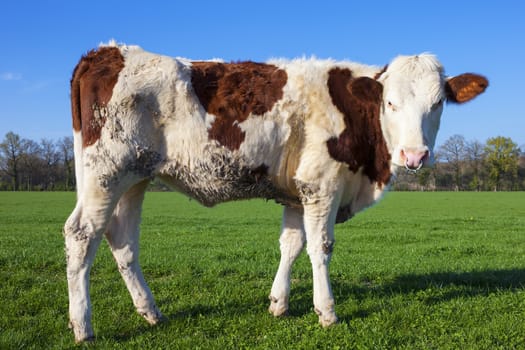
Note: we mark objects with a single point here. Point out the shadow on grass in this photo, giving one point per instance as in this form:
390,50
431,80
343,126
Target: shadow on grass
441,287
438,287
188,313
480,281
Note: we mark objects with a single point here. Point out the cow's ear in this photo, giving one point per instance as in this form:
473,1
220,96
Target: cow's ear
465,87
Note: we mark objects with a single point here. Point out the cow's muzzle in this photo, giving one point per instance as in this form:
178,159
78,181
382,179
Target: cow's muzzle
414,160
413,170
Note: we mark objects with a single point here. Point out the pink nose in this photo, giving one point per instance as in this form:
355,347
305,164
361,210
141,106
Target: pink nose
414,160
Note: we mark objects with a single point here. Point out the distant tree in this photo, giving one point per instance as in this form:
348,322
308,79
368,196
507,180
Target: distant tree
31,165
65,146
442,180
475,155
424,179
11,152
453,152
521,167
50,159
502,161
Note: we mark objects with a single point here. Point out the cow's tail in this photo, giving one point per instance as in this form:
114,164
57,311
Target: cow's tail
76,113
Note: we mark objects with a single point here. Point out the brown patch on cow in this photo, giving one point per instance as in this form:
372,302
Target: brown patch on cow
465,87
91,89
232,92
361,144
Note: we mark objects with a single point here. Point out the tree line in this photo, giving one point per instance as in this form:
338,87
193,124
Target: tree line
460,165
27,165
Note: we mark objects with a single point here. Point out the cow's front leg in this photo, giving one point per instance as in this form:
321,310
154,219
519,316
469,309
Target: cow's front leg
319,221
291,243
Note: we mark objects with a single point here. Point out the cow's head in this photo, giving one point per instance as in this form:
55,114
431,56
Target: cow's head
414,91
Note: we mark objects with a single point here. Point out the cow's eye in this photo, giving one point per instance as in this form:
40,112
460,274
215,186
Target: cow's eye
391,106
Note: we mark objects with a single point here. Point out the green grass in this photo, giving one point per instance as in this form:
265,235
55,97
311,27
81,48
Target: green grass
418,271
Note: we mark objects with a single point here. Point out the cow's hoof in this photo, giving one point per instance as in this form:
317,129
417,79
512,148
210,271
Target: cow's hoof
89,339
278,310
326,319
82,335
327,322
153,316
278,307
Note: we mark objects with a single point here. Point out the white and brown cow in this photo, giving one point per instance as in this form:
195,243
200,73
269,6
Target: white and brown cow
319,136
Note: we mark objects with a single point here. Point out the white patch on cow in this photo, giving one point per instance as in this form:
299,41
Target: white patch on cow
263,141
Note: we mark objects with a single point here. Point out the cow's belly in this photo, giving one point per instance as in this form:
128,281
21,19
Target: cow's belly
219,176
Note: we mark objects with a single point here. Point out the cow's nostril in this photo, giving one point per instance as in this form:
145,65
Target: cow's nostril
414,160
425,156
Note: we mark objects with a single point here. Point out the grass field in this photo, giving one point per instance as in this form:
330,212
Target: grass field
417,271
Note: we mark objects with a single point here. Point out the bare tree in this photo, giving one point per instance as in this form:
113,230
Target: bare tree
11,151
453,152
65,146
50,158
31,165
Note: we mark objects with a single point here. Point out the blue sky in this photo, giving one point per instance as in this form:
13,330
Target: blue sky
41,42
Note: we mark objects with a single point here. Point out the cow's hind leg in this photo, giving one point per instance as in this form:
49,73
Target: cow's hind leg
291,243
83,231
123,238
